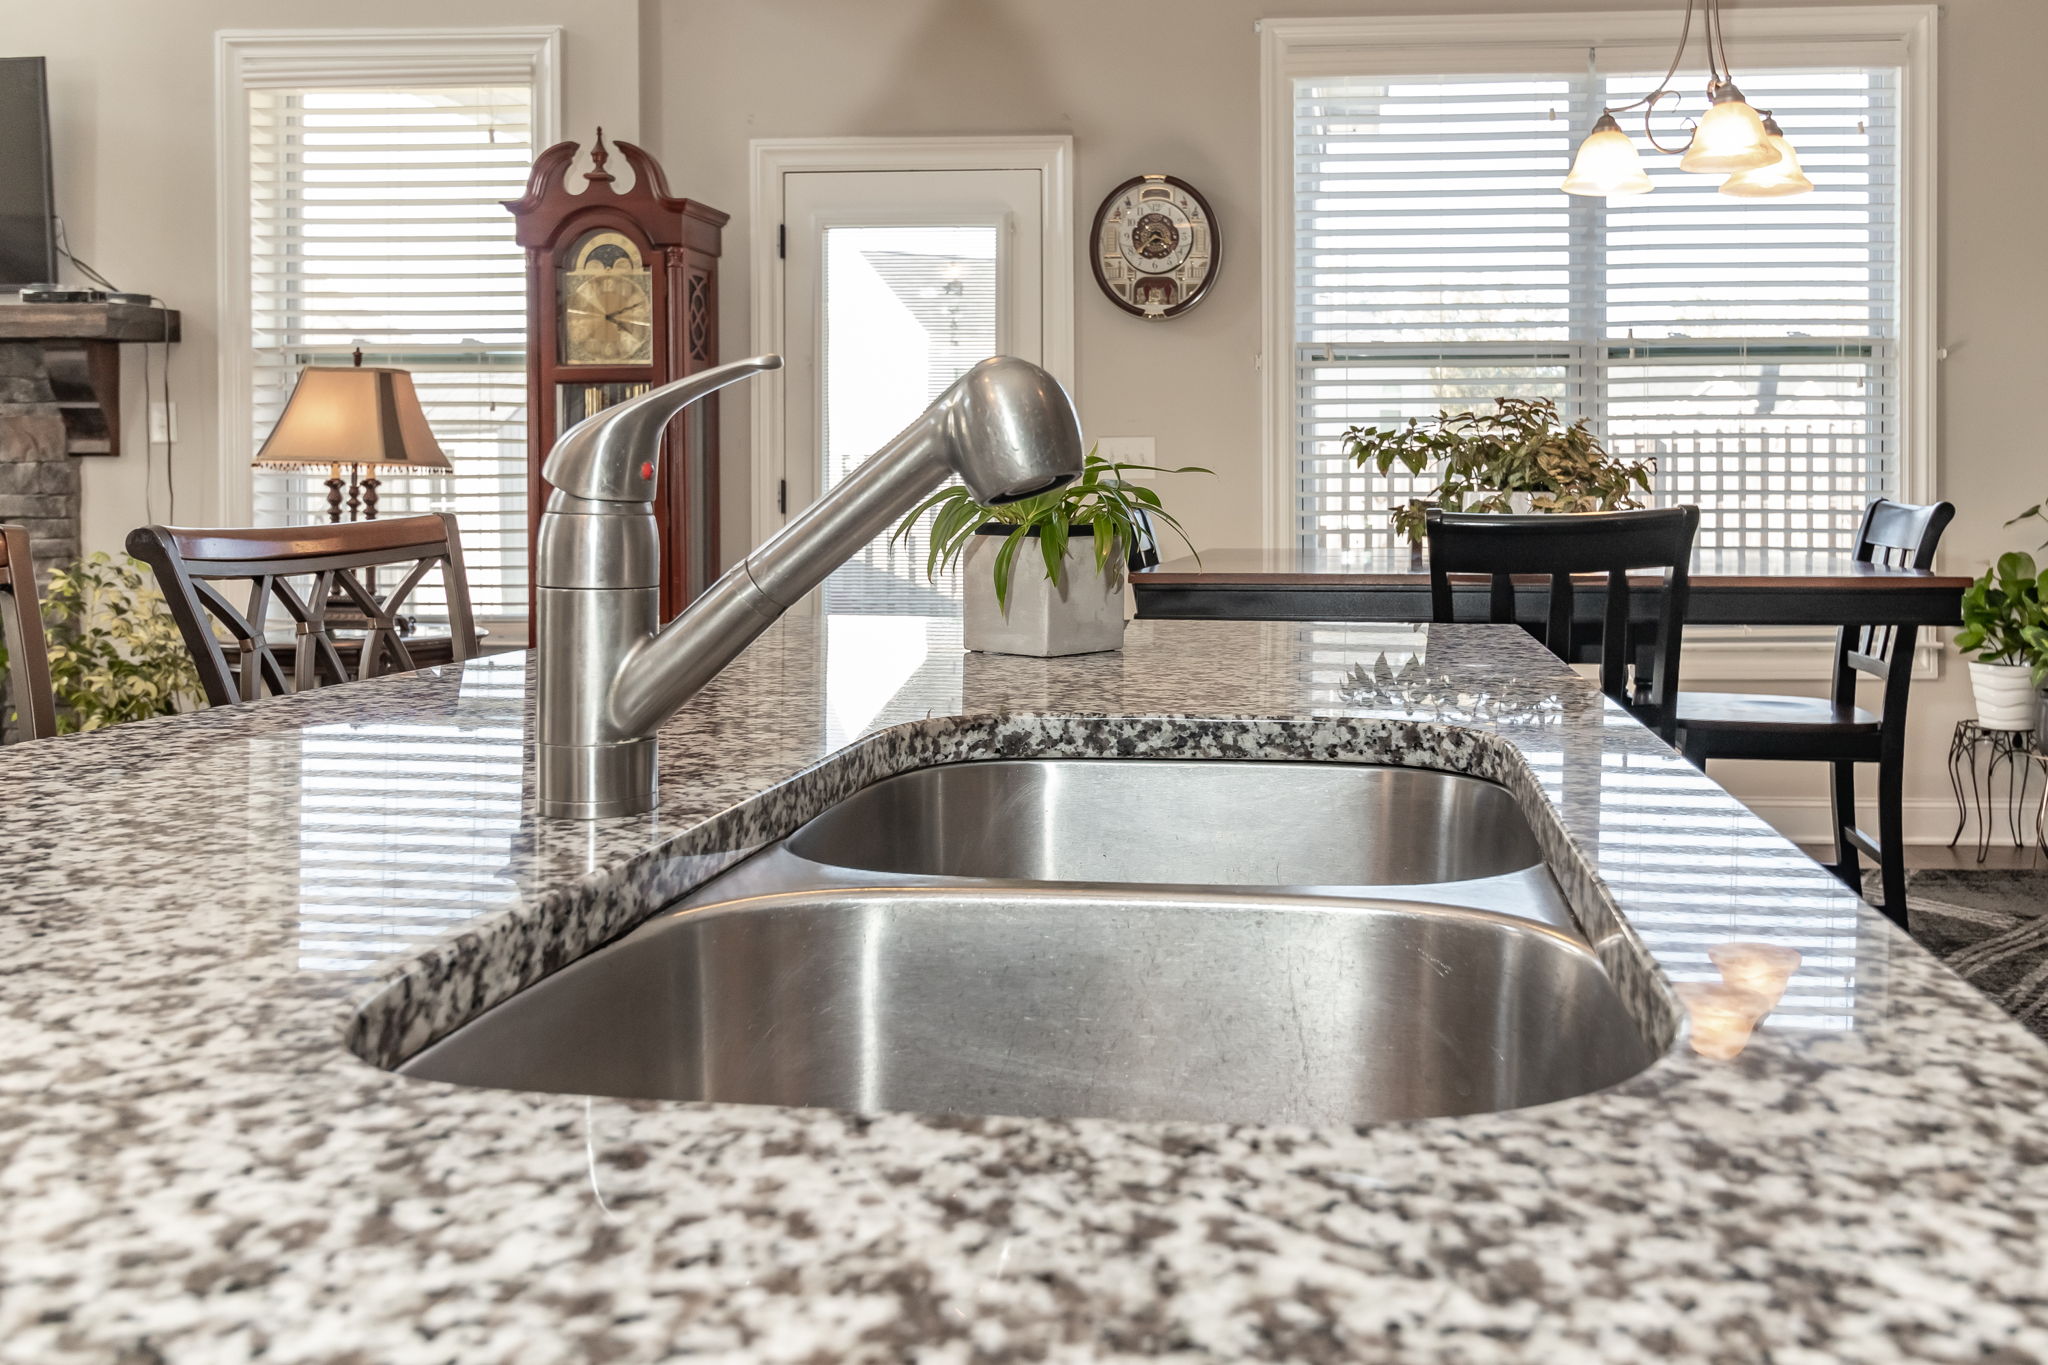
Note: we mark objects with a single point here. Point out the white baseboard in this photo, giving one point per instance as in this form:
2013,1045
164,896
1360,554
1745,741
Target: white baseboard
1929,820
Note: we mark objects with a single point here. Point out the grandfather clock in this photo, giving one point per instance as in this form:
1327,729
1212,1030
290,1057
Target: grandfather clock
622,297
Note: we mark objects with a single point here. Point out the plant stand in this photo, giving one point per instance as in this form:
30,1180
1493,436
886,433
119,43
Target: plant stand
1976,753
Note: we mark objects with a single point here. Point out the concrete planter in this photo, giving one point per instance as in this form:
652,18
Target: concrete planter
2006,699
1083,614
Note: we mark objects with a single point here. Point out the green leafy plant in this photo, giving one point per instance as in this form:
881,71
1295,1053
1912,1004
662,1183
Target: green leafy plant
115,651
1100,504
1523,446
2038,512
2004,621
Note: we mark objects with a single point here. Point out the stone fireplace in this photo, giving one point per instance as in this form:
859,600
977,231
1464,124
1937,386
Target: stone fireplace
38,474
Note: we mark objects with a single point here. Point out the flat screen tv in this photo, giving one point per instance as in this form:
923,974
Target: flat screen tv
28,223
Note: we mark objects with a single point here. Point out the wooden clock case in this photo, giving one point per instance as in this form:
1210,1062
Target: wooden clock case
679,240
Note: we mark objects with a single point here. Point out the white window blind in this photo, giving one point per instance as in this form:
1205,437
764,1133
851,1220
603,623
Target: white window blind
376,222
1750,345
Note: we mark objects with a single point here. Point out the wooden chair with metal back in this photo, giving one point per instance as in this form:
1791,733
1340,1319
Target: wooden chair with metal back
1835,730
21,630
189,563
1557,547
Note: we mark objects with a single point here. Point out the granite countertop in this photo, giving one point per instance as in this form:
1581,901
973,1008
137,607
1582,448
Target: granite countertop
208,924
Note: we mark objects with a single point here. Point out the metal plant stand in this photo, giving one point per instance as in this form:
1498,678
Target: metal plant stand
2016,753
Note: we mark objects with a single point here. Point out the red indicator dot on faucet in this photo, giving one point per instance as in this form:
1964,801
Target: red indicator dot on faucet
647,469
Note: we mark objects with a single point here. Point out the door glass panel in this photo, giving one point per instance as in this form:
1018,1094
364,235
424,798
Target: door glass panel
906,311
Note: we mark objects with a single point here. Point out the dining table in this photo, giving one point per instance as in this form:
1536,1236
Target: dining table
1731,586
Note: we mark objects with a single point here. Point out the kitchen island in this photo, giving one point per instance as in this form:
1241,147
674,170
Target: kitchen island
220,930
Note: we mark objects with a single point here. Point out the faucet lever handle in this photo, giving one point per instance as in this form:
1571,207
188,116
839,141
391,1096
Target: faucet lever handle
612,455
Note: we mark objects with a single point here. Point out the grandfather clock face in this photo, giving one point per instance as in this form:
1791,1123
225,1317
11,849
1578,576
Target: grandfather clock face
606,295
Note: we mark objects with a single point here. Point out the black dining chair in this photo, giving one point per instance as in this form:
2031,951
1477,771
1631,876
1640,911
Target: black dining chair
1557,547
1835,730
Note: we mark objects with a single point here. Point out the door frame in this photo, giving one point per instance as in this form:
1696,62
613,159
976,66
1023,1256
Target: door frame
773,158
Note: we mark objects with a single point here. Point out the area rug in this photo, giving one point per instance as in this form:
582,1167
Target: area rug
1992,927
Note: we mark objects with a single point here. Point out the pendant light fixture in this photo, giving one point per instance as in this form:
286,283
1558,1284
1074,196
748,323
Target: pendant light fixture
1731,138
1782,177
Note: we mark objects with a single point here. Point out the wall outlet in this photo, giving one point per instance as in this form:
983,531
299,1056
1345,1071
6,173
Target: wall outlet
163,423
1127,450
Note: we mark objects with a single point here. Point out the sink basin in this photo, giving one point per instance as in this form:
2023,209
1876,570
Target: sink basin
1065,1003
1125,938
1177,823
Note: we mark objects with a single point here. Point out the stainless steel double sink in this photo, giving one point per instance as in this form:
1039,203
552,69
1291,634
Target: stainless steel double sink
1138,939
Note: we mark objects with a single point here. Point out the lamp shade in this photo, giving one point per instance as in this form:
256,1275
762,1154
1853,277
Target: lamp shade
366,415
1607,163
1782,177
1729,138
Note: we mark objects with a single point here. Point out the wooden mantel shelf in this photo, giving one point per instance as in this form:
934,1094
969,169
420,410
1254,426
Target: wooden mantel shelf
81,345
87,322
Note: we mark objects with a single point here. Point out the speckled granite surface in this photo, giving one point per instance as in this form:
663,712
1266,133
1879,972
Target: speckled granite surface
200,917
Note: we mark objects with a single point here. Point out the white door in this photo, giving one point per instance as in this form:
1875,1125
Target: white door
894,283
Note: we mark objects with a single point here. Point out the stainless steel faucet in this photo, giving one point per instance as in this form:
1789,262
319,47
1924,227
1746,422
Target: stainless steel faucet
610,673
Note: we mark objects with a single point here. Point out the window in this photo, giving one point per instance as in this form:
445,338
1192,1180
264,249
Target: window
1756,348
372,204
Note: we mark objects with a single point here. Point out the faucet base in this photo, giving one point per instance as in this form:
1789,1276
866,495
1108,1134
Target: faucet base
596,781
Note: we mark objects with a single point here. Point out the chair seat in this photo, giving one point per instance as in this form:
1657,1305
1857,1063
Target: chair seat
1711,711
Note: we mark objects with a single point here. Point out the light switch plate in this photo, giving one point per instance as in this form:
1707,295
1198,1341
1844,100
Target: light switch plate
1127,450
163,423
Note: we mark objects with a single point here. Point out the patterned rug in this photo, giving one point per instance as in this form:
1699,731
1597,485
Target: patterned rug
1992,927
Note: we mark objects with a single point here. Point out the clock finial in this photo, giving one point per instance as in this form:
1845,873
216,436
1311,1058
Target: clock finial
597,174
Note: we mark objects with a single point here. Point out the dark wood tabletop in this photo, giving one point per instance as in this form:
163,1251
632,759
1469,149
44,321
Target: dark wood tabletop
1729,587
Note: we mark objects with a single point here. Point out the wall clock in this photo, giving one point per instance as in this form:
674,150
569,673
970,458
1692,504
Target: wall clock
1154,246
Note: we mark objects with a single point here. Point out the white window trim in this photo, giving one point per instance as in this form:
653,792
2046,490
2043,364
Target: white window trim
773,158
1293,48
253,59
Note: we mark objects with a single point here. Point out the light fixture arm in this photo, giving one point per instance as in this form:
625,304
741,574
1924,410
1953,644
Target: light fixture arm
1651,133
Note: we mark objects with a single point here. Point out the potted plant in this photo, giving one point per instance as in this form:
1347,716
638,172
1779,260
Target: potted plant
2005,627
115,651
1521,457
1082,534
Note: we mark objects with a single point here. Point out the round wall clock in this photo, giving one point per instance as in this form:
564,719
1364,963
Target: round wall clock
1154,246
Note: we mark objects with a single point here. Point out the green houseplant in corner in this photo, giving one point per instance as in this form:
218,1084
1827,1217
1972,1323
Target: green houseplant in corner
1520,457
1044,576
2006,628
115,651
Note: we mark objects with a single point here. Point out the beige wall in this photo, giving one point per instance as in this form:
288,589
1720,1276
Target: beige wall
132,114
133,103
730,70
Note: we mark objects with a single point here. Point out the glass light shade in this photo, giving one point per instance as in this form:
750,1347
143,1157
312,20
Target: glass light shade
1782,177
364,414
1730,138
1607,163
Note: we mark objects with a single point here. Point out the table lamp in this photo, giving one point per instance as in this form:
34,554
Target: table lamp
359,416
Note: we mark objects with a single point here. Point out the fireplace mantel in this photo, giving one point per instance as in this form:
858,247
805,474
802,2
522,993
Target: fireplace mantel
81,354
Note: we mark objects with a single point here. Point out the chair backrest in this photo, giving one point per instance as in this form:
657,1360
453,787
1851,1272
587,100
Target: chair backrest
189,563
1557,546
21,629
1894,535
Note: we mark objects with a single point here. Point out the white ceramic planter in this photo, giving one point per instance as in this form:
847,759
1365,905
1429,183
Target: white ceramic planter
2006,699
1083,615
